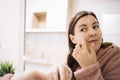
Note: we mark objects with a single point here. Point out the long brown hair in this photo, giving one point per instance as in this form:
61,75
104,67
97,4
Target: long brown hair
71,62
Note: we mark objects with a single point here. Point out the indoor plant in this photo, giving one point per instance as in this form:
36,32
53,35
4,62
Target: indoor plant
6,67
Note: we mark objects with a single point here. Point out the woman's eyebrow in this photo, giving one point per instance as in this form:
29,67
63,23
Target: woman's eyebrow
82,25
95,23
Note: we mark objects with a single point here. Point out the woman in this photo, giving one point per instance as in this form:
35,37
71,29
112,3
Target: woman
89,57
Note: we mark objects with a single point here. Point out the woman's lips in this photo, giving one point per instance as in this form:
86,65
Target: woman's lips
93,41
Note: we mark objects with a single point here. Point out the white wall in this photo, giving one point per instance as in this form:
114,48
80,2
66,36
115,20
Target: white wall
98,6
10,31
49,44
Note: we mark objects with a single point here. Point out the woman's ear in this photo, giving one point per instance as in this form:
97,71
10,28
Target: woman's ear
72,38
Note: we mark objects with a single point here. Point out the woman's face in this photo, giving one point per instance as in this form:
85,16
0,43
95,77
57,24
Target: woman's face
87,28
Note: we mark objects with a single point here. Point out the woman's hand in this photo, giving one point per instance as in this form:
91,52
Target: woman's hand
60,72
84,56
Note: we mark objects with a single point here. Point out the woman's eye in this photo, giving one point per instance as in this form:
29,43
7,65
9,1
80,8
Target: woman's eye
83,30
95,26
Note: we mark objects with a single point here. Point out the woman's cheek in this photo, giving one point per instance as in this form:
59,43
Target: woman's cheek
78,40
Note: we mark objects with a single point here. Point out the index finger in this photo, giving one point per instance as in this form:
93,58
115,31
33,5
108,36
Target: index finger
84,44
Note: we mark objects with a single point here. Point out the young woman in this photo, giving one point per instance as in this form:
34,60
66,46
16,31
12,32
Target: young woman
89,57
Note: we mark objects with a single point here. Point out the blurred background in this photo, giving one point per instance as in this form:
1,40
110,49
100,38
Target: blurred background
33,33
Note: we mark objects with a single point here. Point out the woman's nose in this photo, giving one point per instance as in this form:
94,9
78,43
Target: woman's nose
92,32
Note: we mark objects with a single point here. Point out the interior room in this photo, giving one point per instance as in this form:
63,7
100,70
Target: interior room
33,33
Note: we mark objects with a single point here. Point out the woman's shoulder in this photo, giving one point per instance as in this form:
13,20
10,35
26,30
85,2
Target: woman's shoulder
108,46
108,53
